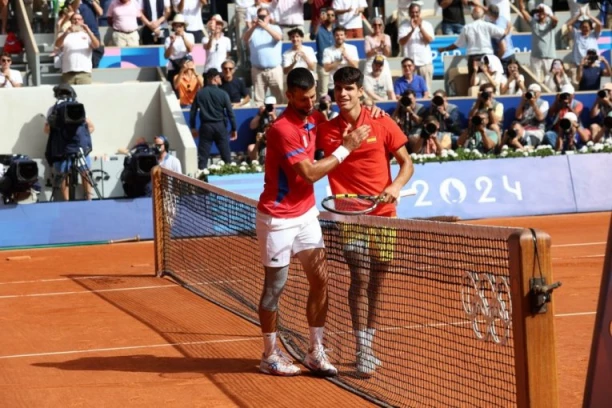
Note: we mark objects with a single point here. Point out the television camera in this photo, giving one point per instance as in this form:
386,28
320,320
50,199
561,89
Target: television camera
18,179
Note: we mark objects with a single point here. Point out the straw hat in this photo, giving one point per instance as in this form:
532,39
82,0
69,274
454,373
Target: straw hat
179,19
219,19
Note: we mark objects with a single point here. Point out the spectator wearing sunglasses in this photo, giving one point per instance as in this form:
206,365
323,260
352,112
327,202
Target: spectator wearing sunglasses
217,45
377,44
234,86
9,78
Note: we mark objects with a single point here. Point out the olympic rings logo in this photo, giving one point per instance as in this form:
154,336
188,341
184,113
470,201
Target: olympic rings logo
486,301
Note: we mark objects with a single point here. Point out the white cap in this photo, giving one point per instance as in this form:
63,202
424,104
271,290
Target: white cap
567,88
535,88
270,100
571,116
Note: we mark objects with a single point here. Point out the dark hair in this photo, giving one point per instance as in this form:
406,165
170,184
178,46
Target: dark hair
300,78
484,87
349,76
166,142
407,59
414,5
589,22
440,92
6,54
339,28
297,31
409,92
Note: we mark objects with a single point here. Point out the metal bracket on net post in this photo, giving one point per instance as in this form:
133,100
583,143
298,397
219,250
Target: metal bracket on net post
540,294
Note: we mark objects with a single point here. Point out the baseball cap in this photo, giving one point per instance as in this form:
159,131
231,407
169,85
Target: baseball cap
571,116
270,100
379,59
567,88
535,88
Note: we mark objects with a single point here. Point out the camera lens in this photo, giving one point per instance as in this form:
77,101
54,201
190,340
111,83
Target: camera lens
476,120
437,100
602,93
432,128
512,133
608,122
405,100
485,95
564,96
529,95
565,124
269,108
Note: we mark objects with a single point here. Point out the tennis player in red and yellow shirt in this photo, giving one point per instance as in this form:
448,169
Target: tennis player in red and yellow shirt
287,220
368,250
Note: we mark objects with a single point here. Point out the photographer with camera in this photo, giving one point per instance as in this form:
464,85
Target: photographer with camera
478,136
602,106
590,71
69,142
428,141
571,135
448,117
325,107
564,103
531,114
515,136
78,43
260,123
604,133
486,103
407,114
488,70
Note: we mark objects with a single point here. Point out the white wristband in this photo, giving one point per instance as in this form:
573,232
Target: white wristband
341,153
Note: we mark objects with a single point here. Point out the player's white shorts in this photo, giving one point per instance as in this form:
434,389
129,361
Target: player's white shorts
281,238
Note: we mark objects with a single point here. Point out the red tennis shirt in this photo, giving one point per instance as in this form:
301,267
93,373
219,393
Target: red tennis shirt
288,141
366,170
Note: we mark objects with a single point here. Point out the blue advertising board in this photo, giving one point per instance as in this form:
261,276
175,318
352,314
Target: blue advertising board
591,181
468,189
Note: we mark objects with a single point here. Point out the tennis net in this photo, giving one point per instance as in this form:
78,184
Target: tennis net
446,324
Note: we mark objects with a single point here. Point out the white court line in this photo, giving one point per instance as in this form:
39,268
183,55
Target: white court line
147,346
575,314
579,257
60,279
580,244
87,291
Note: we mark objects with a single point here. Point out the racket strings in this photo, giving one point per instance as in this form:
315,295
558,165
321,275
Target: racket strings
352,204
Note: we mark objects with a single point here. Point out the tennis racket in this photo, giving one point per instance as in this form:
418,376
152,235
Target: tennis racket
355,204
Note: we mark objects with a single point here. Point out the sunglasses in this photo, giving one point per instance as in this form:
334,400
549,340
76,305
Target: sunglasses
5,60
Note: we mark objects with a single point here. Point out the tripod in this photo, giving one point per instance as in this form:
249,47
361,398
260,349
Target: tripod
76,164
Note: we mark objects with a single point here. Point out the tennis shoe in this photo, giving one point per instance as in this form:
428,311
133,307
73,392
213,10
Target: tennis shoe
278,363
317,361
367,363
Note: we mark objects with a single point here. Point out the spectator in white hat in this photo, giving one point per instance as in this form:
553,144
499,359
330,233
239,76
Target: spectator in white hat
531,113
216,44
177,46
564,103
192,12
492,72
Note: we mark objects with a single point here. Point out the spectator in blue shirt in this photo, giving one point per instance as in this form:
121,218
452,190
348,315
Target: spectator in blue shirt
591,70
504,49
410,81
324,38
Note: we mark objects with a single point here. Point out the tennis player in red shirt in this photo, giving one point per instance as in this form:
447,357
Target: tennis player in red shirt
368,250
287,220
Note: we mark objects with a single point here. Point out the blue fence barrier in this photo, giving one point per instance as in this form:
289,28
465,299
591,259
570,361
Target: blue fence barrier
469,189
247,136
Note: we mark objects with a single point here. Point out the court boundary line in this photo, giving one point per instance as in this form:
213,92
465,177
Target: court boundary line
146,346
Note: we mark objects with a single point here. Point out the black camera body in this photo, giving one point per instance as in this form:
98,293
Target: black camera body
429,129
565,125
485,95
406,101
69,134
529,95
602,93
136,173
607,122
437,100
476,120
20,177
512,133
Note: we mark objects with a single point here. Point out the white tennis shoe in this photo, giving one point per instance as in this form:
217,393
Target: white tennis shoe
367,363
278,363
317,361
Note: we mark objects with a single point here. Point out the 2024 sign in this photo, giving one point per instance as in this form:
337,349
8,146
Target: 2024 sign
455,191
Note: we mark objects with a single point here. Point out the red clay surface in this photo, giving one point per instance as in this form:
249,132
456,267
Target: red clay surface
92,326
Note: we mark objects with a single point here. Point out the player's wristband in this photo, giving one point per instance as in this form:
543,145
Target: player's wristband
341,153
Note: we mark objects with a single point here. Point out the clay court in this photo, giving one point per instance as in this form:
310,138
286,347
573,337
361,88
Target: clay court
93,326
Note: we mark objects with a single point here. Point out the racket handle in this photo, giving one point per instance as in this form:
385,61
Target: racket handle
408,192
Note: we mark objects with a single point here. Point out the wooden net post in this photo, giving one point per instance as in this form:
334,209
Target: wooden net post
158,219
533,319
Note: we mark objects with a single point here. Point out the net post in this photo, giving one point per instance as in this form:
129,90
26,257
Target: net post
534,335
158,221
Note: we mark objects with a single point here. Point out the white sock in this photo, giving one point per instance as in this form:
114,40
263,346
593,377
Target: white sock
316,336
269,343
360,340
370,337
